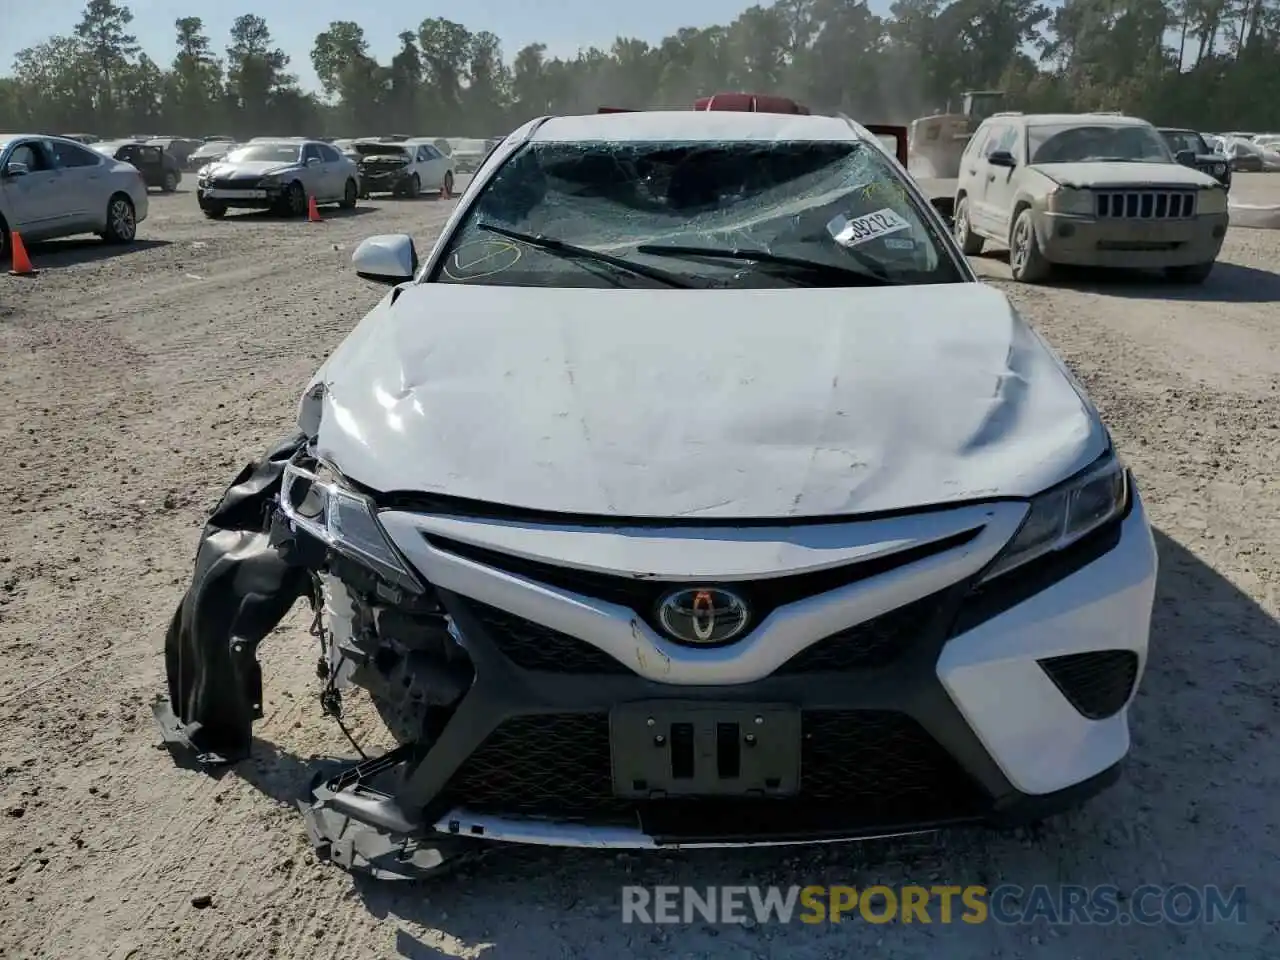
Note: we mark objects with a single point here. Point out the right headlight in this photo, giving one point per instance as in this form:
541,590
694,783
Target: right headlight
346,521
1063,514
1070,201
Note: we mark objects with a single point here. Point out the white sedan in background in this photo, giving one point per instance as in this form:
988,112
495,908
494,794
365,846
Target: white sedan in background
54,187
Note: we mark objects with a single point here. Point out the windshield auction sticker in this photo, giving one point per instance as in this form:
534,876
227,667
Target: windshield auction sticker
869,226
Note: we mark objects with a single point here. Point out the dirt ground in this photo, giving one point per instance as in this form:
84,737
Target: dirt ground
139,381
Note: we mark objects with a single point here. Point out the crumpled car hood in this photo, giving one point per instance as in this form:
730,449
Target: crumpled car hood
703,404
1102,174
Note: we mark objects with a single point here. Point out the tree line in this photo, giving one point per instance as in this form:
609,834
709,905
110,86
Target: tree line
1210,64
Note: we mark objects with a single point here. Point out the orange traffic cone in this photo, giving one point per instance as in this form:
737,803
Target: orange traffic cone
313,210
21,262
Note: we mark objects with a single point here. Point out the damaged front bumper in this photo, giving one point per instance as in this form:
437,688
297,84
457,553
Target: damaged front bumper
513,730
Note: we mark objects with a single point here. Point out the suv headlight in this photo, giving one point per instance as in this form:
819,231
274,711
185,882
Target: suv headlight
1067,200
345,521
1063,514
1212,200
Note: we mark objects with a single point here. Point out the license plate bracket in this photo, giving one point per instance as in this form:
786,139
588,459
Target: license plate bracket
672,748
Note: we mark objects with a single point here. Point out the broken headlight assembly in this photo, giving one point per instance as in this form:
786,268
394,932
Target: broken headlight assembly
320,503
1066,513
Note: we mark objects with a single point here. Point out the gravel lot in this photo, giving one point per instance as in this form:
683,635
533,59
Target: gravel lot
139,381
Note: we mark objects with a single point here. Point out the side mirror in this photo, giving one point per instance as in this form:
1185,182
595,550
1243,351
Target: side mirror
946,207
1186,157
16,168
390,258
1002,158
313,161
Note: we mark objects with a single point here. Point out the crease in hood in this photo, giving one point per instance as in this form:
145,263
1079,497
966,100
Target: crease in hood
703,404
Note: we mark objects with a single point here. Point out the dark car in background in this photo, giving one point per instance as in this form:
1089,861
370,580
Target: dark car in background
158,167
1190,149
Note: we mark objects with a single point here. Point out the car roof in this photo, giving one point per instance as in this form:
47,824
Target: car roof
1083,119
674,125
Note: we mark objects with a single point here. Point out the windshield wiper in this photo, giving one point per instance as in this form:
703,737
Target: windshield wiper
872,275
552,245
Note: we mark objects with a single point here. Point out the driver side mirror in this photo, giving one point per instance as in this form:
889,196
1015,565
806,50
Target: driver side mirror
16,168
389,258
1002,158
1186,157
314,161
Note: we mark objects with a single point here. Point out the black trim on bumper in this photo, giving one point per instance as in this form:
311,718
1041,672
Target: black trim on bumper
908,688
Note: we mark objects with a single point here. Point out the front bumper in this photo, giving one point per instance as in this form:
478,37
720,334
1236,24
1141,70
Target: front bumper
961,705
1131,243
246,198
383,181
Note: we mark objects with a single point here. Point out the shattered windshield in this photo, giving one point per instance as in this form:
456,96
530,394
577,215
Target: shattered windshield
812,213
266,153
1074,143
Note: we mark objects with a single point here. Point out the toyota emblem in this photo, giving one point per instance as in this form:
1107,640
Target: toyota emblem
703,616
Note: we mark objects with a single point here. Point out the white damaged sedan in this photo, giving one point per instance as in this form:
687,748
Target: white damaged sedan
693,491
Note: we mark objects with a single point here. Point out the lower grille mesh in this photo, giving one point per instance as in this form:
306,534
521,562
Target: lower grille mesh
864,768
536,647
1098,684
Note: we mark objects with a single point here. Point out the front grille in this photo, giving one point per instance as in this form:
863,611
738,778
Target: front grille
1145,204
642,595
859,769
536,647
874,643
1097,684
234,183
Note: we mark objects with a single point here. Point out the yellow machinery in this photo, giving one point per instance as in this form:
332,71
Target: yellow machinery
935,143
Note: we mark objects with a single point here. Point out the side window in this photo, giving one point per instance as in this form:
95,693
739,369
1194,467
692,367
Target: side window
1008,140
974,148
310,152
69,155
28,154
1013,142
995,138
329,154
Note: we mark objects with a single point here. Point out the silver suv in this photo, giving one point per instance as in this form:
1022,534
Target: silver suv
1087,190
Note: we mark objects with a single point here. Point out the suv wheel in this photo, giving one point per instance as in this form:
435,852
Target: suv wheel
1026,262
970,243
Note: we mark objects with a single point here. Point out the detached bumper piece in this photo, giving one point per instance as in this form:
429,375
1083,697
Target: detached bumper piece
241,589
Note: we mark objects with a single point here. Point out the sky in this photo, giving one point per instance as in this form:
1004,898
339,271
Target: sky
574,25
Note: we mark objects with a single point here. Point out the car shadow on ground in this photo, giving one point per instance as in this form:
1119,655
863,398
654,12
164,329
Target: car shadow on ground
1108,840
1229,283
326,213
66,253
